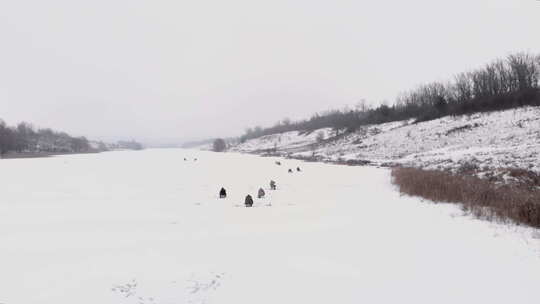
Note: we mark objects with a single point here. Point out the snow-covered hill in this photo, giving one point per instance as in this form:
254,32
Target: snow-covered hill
506,139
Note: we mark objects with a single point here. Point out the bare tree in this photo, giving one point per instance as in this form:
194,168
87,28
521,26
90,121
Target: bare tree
524,71
7,139
219,145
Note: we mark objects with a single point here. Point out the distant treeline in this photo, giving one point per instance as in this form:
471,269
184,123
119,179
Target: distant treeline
24,138
211,143
501,84
125,145
196,143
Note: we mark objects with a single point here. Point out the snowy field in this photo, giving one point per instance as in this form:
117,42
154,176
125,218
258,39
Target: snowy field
147,227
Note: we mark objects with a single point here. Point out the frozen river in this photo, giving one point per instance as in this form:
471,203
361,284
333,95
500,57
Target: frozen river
147,227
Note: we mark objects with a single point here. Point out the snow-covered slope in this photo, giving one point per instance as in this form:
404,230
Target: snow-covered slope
288,141
146,227
505,139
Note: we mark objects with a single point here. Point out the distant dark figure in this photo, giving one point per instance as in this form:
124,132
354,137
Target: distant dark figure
222,193
272,185
194,159
278,163
290,170
249,201
298,169
185,159
261,193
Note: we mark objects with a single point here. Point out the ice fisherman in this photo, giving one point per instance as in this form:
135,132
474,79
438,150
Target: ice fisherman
222,193
249,201
261,193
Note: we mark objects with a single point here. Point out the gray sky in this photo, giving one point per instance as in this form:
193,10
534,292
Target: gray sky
163,71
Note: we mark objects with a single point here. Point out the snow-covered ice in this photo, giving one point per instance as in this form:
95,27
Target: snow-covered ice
147,227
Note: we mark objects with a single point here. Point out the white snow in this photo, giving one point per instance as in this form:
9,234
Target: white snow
288,140
147,227
505,139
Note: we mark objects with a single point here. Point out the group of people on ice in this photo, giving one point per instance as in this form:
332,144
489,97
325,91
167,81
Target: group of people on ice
248,202
290,170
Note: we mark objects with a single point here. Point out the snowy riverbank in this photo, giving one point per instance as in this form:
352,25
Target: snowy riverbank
489,141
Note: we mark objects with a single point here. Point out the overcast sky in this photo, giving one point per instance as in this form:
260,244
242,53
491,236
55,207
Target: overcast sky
165,71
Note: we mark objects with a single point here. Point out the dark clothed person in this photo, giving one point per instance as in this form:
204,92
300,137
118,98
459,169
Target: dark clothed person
261,193
222,193
249,201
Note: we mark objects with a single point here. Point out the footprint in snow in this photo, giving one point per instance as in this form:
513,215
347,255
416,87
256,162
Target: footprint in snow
196,291
126,290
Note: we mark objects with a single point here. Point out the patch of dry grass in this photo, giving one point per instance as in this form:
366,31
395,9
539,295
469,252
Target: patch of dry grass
478,196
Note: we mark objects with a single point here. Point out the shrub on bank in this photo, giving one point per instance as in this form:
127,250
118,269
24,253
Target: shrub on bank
480,197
